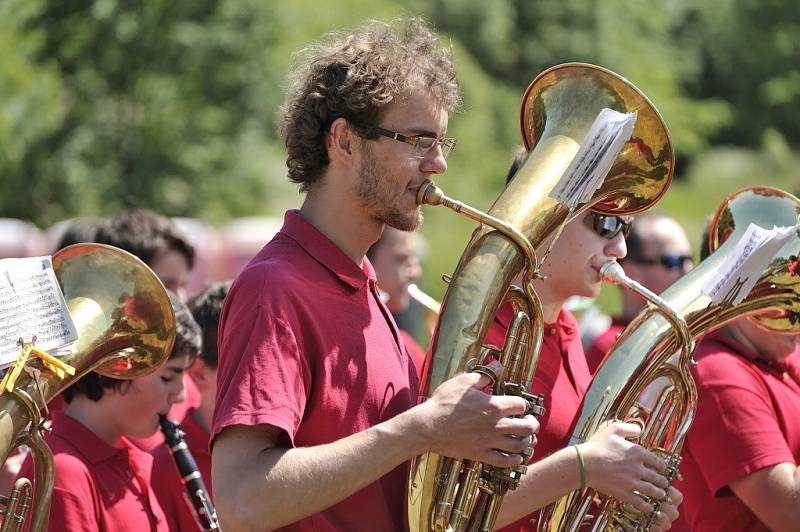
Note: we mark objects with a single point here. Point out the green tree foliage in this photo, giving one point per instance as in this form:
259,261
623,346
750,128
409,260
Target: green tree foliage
171,104
156,106
644,41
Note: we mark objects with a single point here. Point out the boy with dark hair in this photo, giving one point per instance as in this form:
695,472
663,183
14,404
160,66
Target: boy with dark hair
102,480
166,480
157,241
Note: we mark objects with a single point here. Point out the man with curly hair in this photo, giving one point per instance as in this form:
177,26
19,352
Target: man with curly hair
316,414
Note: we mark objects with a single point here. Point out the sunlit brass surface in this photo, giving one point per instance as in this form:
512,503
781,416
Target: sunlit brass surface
16,504
557,111
642,380
126,329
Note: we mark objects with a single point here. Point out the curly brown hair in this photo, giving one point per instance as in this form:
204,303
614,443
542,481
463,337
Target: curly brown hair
355,76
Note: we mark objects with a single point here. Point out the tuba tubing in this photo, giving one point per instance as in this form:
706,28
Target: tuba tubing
126,329
642,380
557,111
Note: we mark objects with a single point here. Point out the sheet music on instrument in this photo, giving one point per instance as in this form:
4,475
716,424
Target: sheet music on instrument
742,268
598,151
31,303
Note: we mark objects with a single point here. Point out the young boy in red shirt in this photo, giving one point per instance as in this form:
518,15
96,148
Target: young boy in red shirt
102,480
196,424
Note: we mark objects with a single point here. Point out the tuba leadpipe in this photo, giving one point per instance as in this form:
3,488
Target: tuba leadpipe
126,329
557,111
642,380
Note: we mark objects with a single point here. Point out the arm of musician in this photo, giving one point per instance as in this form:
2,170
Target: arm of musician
614,467
773,494
260,485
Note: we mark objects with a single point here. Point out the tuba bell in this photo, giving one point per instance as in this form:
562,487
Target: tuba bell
641,380
126,329
558,109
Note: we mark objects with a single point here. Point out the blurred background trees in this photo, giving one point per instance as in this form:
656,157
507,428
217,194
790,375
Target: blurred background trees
171,104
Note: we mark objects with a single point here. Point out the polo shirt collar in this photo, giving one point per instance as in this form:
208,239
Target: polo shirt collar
788,364
325,252
93,449
565,325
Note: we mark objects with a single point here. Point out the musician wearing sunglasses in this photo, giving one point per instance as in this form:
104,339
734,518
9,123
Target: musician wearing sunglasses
740,461
659,253
609,462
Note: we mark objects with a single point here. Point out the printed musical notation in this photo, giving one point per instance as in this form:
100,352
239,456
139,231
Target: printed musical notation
597,153
737,275
31,304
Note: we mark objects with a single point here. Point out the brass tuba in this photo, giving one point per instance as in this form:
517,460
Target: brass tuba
557,111
642,381
126,329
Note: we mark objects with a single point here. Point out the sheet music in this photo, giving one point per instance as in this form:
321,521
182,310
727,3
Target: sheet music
31,303
598,151
742,268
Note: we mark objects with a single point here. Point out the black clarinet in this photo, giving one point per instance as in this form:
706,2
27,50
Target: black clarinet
190,476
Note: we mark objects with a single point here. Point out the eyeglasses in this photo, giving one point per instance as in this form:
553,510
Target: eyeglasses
420,144
607,226
670,262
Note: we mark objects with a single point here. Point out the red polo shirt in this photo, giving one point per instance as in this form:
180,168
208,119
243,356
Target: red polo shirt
98,487
562,376
602,344
306,345
748,418
166,480
415,350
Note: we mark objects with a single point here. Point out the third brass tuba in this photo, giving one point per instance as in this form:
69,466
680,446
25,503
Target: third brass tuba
640,379
558,109
126,329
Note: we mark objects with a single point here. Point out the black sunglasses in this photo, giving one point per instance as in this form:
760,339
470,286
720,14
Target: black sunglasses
607,226
670,262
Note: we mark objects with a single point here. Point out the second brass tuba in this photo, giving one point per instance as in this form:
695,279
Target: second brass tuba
557,111
126,329
640,379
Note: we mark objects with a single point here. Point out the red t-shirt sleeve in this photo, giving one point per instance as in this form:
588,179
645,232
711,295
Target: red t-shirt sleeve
263,377
735,432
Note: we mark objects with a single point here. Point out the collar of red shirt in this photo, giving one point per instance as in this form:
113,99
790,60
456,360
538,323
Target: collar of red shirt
320,247
565,322
93,449
789,364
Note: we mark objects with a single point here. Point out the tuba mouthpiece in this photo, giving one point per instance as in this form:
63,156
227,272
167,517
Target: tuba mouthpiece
612,273
429,194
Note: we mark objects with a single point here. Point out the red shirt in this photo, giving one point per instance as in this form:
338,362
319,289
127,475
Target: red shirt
415,351
602,344
166,480
748,418
306,345
562,376
97,486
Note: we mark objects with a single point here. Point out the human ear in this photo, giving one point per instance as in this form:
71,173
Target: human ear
341,141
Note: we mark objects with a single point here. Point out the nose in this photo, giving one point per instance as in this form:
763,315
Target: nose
434,161
616,247
177,393
414,269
